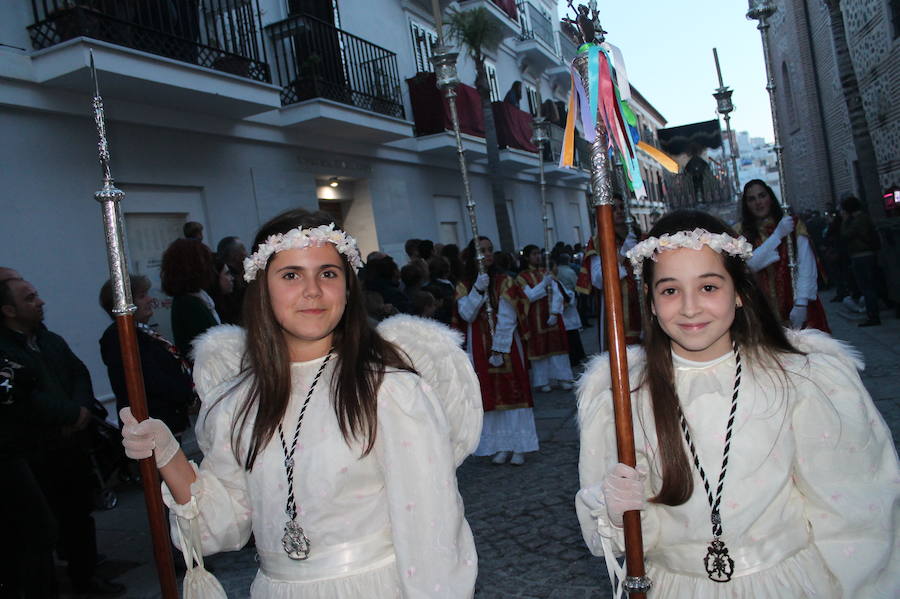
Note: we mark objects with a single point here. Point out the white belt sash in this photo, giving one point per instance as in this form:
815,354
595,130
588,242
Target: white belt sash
335,561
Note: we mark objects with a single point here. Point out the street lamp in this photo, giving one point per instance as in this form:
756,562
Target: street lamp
724,106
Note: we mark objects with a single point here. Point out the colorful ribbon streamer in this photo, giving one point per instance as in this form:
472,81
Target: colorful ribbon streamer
604,100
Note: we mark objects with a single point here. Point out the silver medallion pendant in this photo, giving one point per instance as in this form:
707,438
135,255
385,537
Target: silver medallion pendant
294,541
719,565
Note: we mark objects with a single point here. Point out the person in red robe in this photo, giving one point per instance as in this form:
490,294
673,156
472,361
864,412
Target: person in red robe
766,227
548,342
591,277
508,431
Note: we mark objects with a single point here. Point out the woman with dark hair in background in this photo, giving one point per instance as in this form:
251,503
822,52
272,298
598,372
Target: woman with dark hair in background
187,272
167,374
334,443
766,226
222,286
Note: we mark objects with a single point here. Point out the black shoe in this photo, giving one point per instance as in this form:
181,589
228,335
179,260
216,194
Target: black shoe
836,299
98,587
872,322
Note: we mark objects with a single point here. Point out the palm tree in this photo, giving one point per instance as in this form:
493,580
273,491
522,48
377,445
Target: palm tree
859,127
479,33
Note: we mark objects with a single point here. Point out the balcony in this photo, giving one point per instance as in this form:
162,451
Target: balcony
560,74
504,12
553,150
536,42
336,83
205,55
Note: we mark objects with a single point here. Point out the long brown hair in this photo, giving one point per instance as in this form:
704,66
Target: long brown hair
749,222
362,357
756,331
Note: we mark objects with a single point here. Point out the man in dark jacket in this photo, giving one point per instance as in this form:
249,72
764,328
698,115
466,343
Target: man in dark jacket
48,431
863,243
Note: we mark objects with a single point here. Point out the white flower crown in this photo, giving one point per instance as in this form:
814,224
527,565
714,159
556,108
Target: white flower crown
695,240
302,238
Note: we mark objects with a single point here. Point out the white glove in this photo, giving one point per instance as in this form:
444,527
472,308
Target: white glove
482,282
546,281
623,489
150,437
784,227
496,360
552,320
797,317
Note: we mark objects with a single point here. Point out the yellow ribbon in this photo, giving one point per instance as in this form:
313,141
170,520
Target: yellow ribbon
661,157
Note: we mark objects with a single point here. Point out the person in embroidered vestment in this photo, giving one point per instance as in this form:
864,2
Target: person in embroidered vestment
334,443
547,346
590,277
509,430
764,469
765,225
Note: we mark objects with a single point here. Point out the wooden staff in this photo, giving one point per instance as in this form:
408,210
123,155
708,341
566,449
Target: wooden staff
636,582
110,199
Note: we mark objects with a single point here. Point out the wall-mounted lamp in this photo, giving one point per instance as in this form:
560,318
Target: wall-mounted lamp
333,182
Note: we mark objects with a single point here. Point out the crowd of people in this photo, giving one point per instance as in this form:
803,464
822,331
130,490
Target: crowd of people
379,380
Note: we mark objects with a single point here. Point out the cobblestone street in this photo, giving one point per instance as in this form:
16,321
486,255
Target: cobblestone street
528,539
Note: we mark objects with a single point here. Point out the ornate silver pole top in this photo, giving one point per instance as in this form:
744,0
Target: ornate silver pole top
110,199
100,121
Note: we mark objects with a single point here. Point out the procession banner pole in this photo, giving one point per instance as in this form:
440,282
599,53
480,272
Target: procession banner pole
540,137
444,61
761,10
110,199
591,35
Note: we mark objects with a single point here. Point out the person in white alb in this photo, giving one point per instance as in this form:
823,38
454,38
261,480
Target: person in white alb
764,469
334,443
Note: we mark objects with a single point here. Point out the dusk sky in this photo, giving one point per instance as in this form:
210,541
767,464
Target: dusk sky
667,48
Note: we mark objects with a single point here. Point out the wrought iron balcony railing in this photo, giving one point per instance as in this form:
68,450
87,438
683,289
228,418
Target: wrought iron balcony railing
219,34
536,25
314,59
567,48
553,149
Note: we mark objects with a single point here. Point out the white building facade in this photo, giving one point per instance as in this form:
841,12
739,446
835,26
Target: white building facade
227,112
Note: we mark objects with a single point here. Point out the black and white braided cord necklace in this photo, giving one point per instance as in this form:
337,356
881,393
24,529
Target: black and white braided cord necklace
295,541
719,565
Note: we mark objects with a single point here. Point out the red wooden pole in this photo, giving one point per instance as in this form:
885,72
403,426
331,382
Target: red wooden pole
159,529
618,364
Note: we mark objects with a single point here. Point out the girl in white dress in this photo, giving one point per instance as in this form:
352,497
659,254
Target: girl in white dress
764,469
335,444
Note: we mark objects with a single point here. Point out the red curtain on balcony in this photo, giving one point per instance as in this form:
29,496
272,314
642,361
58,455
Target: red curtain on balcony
509,7
513,127
431,112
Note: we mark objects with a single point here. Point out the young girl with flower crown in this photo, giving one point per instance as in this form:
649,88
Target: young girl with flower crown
334,443
764,469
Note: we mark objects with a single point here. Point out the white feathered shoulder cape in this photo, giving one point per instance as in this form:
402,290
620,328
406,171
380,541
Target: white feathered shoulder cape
433,348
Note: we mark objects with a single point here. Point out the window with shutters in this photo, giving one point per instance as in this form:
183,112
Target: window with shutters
424,40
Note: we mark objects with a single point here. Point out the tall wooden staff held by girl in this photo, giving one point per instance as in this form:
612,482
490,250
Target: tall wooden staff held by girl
123,309
594,87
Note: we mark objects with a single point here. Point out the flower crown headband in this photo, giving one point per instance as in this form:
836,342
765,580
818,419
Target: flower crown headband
301,238
695,240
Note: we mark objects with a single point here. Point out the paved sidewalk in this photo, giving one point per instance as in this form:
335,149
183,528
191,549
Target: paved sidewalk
528,539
